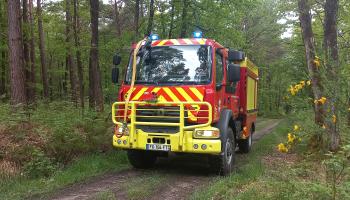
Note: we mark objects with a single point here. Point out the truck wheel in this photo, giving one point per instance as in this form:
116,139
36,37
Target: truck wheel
245,145
142,159
223,164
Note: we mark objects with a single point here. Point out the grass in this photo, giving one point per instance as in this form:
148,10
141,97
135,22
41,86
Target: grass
249,169
143,187
263,122
268,174
80,170
104,195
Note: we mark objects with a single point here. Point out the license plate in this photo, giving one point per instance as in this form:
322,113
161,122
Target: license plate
158,147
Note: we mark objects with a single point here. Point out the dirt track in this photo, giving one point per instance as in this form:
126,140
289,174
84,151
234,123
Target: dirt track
184,174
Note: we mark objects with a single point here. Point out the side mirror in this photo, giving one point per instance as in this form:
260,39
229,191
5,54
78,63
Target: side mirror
234,56
233,73
115,75
116,59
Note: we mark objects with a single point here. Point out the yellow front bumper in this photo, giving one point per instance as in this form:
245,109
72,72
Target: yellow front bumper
183,141
190,144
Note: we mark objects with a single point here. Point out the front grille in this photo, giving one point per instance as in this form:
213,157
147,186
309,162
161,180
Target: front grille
167,114
159,129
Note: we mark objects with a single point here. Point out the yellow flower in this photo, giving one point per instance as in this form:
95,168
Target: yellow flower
296,127
334,119
292,90
299,139
298,86
282,148
317,62
291,138
308,82
302,83
322,100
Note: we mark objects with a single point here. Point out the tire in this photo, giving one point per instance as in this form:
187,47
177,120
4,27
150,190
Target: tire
223,163
142,159
245,145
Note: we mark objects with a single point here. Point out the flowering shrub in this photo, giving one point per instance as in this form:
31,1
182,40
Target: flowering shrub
293,138
294,89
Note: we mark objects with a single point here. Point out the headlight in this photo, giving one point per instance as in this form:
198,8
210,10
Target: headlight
206,133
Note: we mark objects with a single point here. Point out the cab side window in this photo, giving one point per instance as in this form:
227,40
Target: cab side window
219,69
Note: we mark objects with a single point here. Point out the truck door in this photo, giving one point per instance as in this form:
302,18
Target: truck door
219,77
231,99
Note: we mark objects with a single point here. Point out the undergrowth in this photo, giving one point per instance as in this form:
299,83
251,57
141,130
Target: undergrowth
47,136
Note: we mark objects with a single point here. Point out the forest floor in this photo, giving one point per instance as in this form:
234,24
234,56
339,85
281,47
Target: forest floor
176,177
264,173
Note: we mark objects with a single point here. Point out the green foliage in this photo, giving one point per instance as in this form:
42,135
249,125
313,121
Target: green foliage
55,132
338,165
80,169
40,165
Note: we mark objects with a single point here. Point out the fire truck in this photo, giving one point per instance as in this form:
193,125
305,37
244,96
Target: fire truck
185,96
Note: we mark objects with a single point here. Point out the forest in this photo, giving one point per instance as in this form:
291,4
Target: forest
56,89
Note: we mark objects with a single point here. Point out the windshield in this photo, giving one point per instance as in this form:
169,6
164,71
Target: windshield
173,64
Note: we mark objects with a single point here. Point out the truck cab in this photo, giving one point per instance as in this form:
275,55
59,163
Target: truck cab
185,95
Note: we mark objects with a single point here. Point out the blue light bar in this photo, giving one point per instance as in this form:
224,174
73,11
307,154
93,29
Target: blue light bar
198,34
154,37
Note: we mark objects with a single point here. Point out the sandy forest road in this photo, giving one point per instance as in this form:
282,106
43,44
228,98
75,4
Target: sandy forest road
183,175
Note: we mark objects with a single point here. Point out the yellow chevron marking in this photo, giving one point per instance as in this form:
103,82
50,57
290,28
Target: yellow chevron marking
187,41
201,41
171,94
175,42
184,94
161,99
197,93
129,92
162,42
188,98
156,89
140,93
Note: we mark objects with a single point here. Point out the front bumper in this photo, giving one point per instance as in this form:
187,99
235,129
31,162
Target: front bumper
181,141
189,144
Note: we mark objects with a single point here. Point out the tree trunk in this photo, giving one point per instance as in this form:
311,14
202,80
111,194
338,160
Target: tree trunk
2,51
32,52
308,38
349,110
65,79
136,20
3,74
172,14
150,18
183,32
78,53
25,38
332,67
141,8
94,71
17,79
69,58
43,63
117,18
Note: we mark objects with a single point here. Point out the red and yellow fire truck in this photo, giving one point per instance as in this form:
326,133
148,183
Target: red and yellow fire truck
185,95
